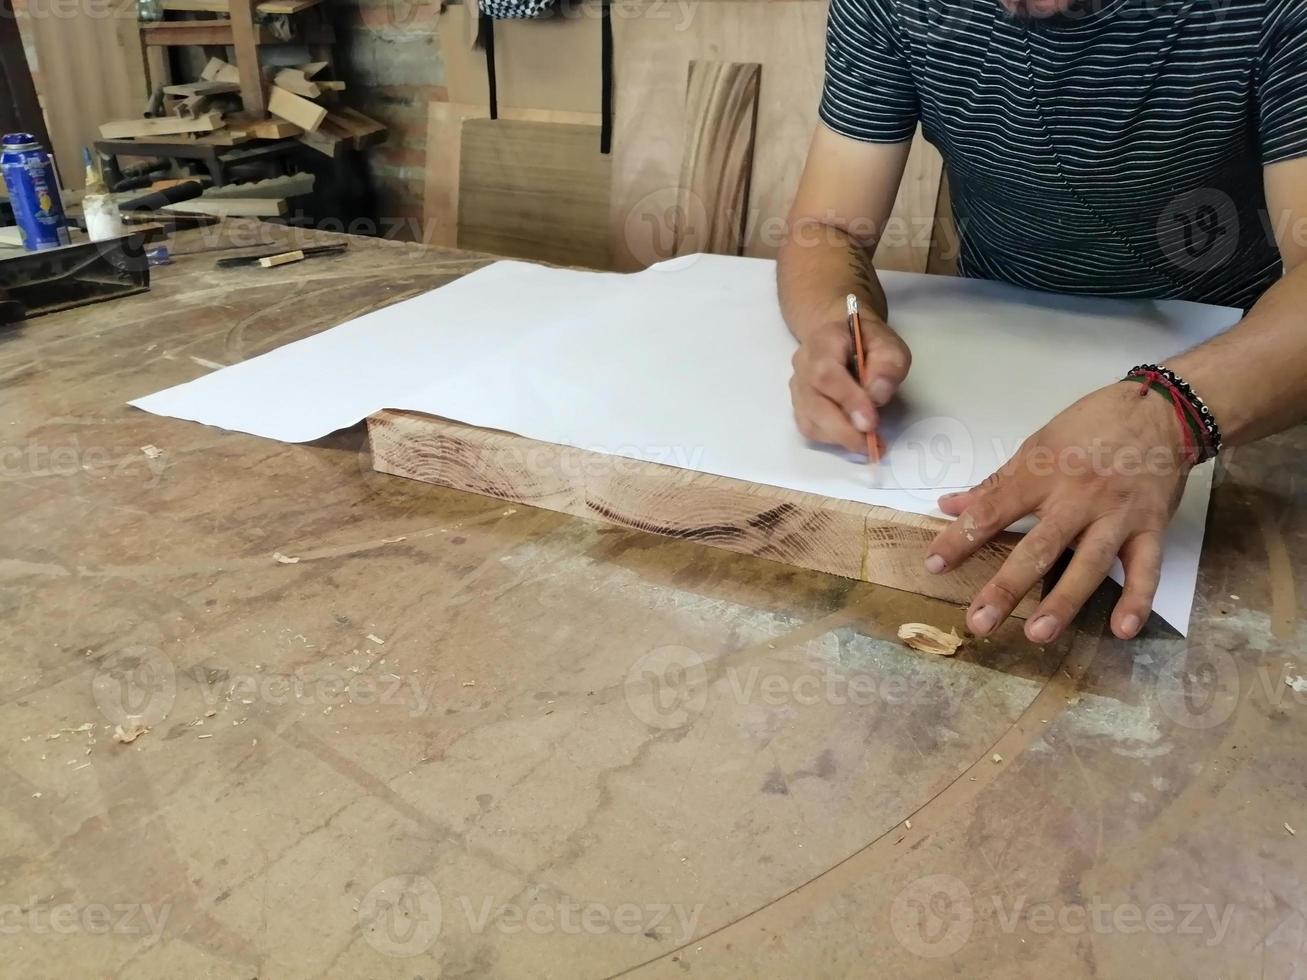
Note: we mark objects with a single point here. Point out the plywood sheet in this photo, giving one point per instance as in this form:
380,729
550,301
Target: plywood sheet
536,190
444,151
100,38
857,541
721,106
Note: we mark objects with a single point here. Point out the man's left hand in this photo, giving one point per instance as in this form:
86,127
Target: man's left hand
1105,476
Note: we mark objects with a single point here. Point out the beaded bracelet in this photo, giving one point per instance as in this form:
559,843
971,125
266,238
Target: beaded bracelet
1202,434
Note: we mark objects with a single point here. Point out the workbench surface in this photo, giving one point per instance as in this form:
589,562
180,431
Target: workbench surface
399,731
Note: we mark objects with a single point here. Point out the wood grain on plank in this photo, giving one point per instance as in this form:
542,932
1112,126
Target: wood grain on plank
857,541
534,190
290,107
721,108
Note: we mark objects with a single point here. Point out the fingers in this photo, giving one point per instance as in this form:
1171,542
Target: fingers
1142,557
888,360
821,420
1094,557
982,513
823,365
1030,560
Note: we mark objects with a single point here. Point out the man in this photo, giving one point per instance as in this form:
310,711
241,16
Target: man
1148,148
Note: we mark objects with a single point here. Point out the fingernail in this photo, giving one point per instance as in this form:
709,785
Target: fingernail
985,620
1130,625
1043,629
861,422
881,391
936,564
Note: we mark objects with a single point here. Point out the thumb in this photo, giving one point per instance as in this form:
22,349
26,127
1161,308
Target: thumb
888,360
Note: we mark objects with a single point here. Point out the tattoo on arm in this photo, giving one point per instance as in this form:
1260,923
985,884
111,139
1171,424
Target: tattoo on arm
860,265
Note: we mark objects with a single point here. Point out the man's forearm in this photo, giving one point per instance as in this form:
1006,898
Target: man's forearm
819,266
1254,376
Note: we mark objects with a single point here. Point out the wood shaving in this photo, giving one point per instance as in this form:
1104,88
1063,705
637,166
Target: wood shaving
1292,832
285,559
153,452
130,732
376,639
997,758
929,639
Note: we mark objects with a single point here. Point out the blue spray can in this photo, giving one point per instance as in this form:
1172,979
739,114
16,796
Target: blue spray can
33,192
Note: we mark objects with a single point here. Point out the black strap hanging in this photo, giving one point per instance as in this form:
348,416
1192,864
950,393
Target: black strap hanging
606,95
486,39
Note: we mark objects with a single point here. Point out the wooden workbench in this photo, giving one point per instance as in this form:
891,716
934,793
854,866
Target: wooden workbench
380,711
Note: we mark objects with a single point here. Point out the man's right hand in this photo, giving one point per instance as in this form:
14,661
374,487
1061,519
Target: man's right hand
829,404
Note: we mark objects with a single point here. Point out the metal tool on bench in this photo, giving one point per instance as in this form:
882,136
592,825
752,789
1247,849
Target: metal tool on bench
35,283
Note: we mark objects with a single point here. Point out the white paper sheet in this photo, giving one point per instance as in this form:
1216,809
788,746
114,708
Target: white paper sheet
688,364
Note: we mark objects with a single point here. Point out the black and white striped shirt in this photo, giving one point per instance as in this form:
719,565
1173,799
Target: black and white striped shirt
1115,151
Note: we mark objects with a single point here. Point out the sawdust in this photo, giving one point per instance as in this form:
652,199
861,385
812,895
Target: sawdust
131,731
930,639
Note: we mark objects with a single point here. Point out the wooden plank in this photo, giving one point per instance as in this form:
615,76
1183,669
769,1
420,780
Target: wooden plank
263,129
364,130
534,190
286,7
301,112
331,86
721,110
197,6
92,68
232,207
313,68
177,33
245,42
296,82
444,153
857,541
161,126
190,89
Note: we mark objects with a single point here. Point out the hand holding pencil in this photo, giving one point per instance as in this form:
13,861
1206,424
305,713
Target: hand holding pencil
848,366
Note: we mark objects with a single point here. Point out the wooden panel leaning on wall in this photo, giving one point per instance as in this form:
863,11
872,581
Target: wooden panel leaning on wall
535,190
554,65
92,70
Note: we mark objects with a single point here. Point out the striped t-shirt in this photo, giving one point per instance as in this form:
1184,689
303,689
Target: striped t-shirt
1114,151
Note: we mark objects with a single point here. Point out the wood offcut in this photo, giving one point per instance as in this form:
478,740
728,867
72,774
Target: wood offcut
717,160
857,541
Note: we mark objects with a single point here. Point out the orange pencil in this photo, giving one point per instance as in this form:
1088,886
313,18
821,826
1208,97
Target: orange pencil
860,361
